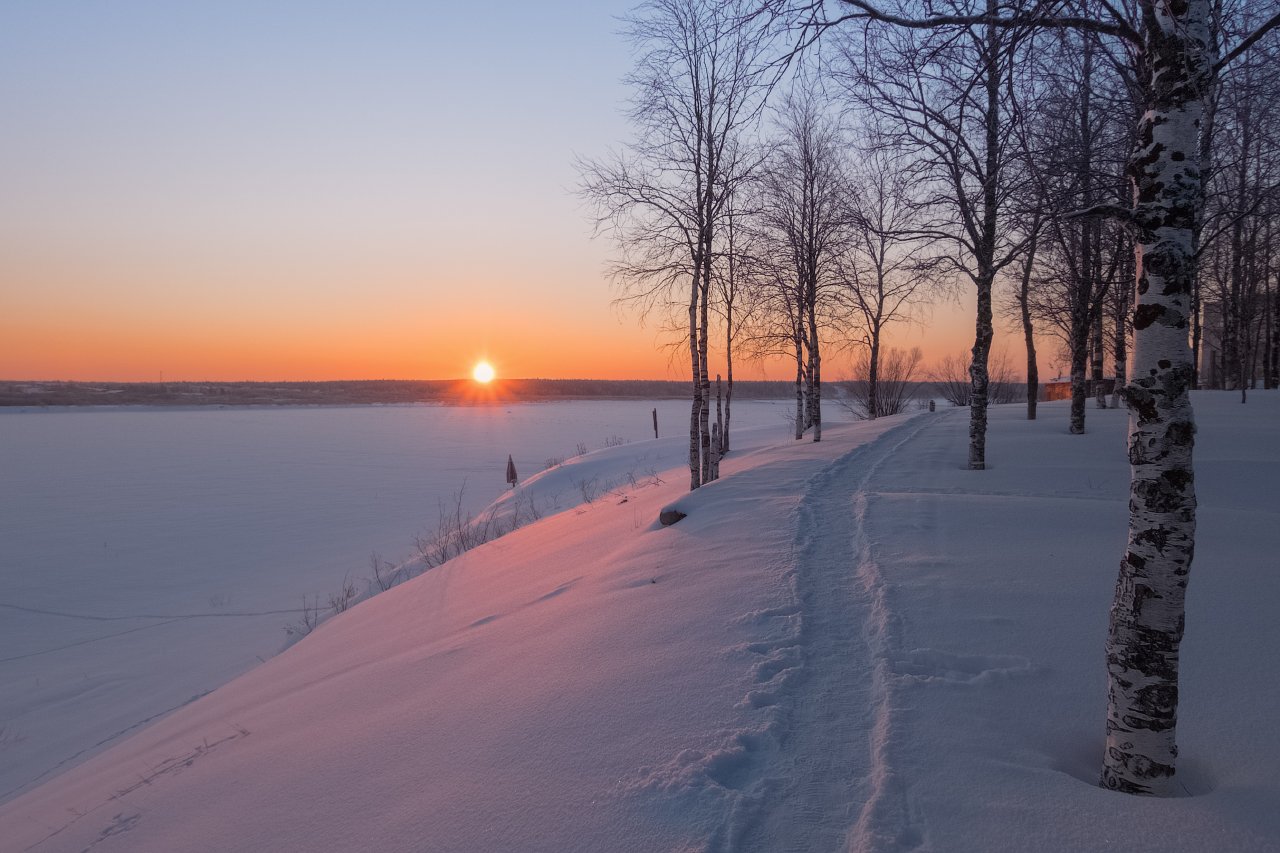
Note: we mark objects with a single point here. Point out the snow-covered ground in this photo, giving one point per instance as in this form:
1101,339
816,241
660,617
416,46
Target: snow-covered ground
148,556
852,645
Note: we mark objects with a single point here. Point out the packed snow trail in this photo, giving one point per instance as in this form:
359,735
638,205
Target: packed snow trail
830,784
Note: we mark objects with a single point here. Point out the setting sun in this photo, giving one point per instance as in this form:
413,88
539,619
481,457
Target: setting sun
483,372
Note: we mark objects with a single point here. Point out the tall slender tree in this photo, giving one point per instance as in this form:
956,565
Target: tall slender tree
943,98
804,210
697,85
888,279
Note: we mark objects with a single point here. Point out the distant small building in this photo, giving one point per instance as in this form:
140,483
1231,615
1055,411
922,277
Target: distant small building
1060,388
1210,355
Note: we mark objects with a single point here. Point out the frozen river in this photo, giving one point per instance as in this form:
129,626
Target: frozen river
146,554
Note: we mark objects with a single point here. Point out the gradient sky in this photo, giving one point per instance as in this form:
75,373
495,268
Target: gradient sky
315,190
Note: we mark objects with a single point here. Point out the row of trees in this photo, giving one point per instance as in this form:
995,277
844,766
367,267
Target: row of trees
769,225
1161,70
1080,98
1235,333
1114,162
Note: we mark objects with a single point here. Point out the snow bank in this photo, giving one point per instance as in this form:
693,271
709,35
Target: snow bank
850,645
148,556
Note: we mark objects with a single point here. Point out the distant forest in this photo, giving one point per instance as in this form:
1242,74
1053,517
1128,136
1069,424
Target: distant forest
363,392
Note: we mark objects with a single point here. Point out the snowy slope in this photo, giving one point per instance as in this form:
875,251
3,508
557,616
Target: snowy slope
852,645
148,556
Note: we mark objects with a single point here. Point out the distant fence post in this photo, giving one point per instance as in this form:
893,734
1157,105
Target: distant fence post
931,405
655,423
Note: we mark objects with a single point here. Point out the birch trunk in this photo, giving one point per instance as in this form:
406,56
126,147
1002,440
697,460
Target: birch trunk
695,462
1028,330
715,451
873,376
1091,260
1099,358
800,396
717,435
1148,614
1268,313
985,250
728,390
1197,332
1079,360
704,374
815,375
979,378
1204,157
1120,344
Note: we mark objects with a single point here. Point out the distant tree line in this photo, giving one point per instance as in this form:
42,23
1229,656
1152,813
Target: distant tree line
357,392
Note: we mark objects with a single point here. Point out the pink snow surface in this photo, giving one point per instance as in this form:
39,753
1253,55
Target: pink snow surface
854,645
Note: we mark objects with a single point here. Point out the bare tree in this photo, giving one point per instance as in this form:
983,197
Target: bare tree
1121,309
887,278
1235,245
775,326
1074,147
943,97
1020,307
696,86
731,270
804,215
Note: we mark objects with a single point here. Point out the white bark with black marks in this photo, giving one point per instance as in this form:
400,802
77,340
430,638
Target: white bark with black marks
1147,616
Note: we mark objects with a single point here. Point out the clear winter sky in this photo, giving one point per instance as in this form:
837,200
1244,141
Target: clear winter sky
316,190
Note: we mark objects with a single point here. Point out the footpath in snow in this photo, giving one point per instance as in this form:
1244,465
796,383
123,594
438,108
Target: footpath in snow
855,645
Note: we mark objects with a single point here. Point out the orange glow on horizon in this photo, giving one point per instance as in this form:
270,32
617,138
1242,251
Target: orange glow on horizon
108,340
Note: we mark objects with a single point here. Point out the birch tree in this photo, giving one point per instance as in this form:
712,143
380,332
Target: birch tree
887,279
1180,61
774,325
1235,247
943,98
731,267
1028,329
804,212
1073,153
696,87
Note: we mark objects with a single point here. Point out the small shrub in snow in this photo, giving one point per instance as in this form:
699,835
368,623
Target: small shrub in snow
895,384
308,619
590,489
385,575
458,531
951,380
344,598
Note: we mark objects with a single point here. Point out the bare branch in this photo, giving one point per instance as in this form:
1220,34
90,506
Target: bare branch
1119,28
1106,210
1247,42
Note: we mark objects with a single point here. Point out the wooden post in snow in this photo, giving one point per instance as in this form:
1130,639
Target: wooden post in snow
655,423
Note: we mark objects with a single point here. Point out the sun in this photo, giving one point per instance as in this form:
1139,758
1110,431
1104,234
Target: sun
483,372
